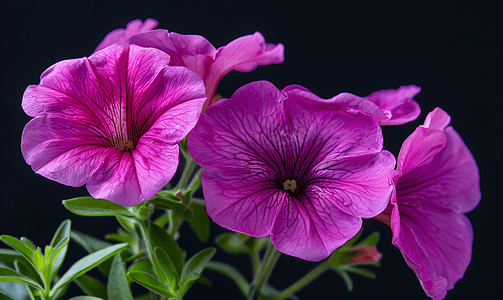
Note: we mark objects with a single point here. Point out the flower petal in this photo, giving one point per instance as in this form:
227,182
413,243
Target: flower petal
399,103
437,246
121,35
311,227
241,201
243,54
191,51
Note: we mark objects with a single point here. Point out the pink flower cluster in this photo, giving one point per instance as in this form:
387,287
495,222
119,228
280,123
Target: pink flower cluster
283,163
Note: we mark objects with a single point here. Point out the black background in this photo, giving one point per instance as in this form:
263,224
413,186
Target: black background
453,50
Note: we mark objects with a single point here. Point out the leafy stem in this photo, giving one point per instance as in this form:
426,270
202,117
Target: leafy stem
270,258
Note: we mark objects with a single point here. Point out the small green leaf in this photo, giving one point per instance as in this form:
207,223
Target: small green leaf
57,255
168,274
85,298
204,280
173,202
62,232
233,242
91,245
362,272
88,206
143,297
133,257
39,261
158,237
197,263
162,220
87,263
27,271
370,241
8,256
88,242
12,276
26,251
143,265
28,243
118,287
126,223
347,279
232,273
91,286
4,297
118,238
200,223
150,283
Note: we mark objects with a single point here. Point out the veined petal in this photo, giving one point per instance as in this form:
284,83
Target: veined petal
241,201
437,246
311,228
121,35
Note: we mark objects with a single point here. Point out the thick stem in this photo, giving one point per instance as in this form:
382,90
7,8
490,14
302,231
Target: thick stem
302,282
264,272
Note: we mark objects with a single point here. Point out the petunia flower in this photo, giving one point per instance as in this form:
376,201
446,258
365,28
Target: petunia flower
437,181
122,35
291,165
243,54
111,121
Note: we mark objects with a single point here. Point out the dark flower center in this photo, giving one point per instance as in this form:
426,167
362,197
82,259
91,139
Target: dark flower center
123,145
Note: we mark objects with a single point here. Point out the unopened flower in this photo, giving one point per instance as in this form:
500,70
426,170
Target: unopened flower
365,256
437,181
243,54
122,35
291,165
111,121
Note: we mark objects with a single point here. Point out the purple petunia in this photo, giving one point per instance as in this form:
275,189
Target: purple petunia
291,165
122,35
111,121
437,181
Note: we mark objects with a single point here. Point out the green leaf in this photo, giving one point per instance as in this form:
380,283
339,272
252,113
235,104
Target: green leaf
27,271
197,263
118,287
347,279
362,272
28,243
91,286
62,232
143,297
150,283
39,261
26,251
168,274
143,265
12,276
5,297
158,237
162,220
173,202
126,223
87,263
370,241
200,222
233,242
57,255
91,245
8,256
204,280
341,257
88,206
232,273
133,257
85,298
88,242
352,240
118,238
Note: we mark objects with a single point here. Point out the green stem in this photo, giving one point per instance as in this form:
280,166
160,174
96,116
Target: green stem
303,281
264,272
189,165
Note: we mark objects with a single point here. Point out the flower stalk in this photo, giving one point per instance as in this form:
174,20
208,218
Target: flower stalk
270,258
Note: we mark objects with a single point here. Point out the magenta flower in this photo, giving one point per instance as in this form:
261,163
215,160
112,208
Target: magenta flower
122,35
437,181
244,54
291,165
111,121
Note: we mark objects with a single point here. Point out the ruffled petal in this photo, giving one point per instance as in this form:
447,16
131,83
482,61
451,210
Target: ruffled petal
399,103
123,35
437,246
191,51
310,227
243,54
